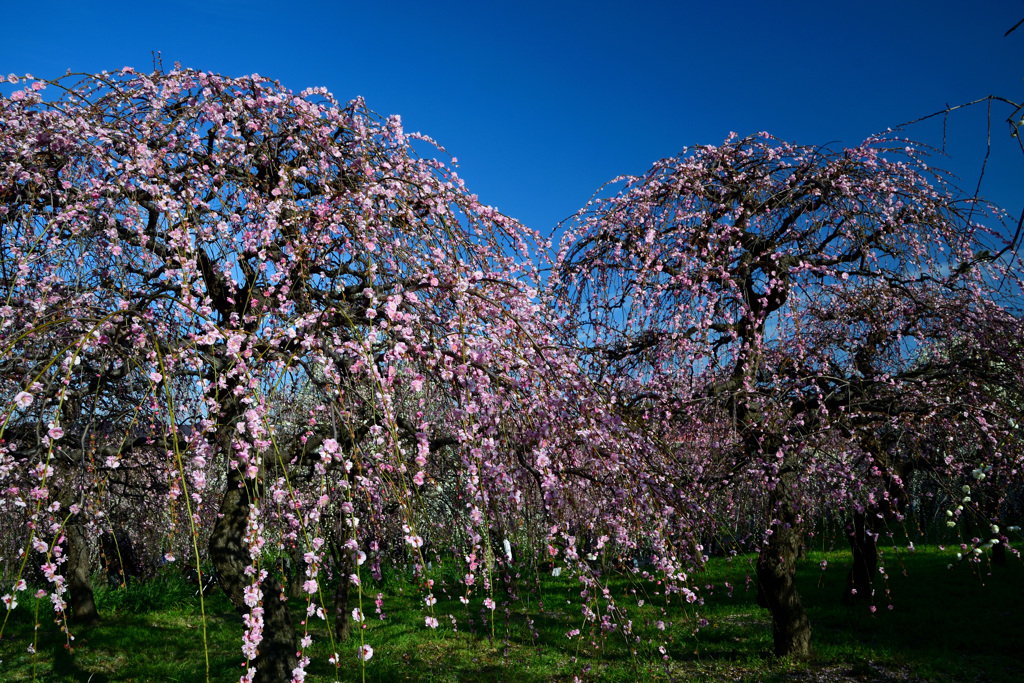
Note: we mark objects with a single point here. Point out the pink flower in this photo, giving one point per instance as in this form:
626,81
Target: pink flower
489,604
55,433
418,478
23,399
357,615
431,622
365,652
155,376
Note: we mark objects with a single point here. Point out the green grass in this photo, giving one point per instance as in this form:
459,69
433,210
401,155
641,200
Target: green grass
959,624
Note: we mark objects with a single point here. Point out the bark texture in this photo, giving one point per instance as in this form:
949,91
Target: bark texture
79,575
776,571
342,620
230,555
119,558
296,571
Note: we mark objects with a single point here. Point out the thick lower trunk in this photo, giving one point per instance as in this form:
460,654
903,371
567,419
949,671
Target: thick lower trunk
230,555
865,559
277,653
79,576
776,571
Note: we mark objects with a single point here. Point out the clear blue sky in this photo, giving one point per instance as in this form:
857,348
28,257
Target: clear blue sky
542,102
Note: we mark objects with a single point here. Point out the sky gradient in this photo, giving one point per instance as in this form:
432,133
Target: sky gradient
543,102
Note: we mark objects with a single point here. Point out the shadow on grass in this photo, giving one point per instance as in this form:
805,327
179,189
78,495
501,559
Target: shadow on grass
960,624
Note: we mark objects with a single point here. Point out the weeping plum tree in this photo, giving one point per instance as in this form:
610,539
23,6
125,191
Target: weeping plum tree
781,318
265,314
262,318
241,240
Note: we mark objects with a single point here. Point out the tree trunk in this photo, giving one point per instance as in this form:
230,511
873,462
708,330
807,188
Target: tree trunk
865,559
342,622
79,575
776,570
991,508
276,658
119,558
297,573
999,553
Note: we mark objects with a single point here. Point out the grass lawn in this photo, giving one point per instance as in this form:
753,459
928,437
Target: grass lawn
964,623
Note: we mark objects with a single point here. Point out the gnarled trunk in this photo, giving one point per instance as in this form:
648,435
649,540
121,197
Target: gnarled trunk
776,571
276,658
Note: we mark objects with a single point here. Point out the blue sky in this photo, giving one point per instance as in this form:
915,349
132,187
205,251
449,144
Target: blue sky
542,102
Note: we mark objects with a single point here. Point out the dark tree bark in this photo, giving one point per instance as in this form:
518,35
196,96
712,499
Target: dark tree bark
276,658
776,571
298,572
865,559
119,558
79,575
342,619
862,532
343,559
990,505
999,553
